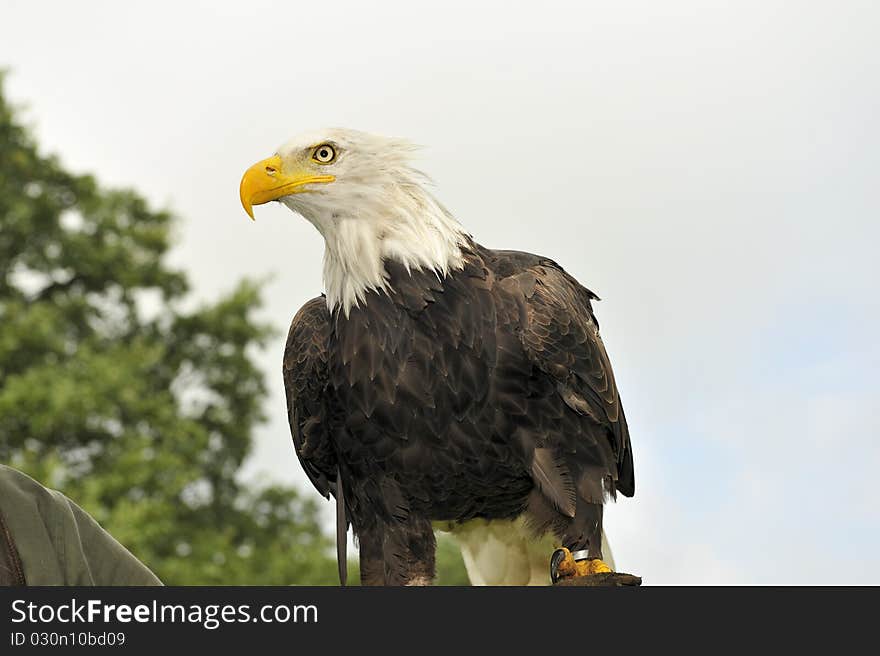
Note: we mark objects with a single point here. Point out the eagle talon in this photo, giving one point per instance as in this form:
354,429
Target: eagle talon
564,565
555,560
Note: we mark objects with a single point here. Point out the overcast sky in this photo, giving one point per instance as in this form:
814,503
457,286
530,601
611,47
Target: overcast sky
710,169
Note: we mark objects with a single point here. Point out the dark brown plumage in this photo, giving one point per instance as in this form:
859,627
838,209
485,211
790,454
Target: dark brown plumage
487,393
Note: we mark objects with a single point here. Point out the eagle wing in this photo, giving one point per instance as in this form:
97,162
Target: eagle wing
305,379
560,336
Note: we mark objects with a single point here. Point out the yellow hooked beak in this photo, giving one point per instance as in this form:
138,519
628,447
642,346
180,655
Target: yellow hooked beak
267,180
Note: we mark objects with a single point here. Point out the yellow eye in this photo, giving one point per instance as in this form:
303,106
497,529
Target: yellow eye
324,154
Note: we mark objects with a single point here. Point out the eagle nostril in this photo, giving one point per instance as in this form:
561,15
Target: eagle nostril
270,170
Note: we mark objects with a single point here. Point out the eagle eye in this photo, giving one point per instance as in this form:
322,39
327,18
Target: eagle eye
324,154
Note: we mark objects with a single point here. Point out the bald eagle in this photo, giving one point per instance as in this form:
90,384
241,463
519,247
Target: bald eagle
439,383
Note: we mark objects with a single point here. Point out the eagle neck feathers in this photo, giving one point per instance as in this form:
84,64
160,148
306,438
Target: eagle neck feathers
410,227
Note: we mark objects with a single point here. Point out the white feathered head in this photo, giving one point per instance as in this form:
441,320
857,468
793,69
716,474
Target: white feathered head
363,195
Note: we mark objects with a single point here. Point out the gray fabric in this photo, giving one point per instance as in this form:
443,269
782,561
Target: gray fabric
59,543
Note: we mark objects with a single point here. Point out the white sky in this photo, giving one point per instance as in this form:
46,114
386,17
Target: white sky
709,168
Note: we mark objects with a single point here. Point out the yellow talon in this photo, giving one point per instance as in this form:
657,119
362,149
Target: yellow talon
569,567
594,566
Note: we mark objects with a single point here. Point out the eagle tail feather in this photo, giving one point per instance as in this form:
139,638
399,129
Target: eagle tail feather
341,531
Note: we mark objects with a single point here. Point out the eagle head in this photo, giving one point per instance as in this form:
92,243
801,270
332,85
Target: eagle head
368,202
327,168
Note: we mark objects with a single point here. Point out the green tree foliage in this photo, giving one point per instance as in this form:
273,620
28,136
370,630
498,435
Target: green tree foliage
138,408
450,564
